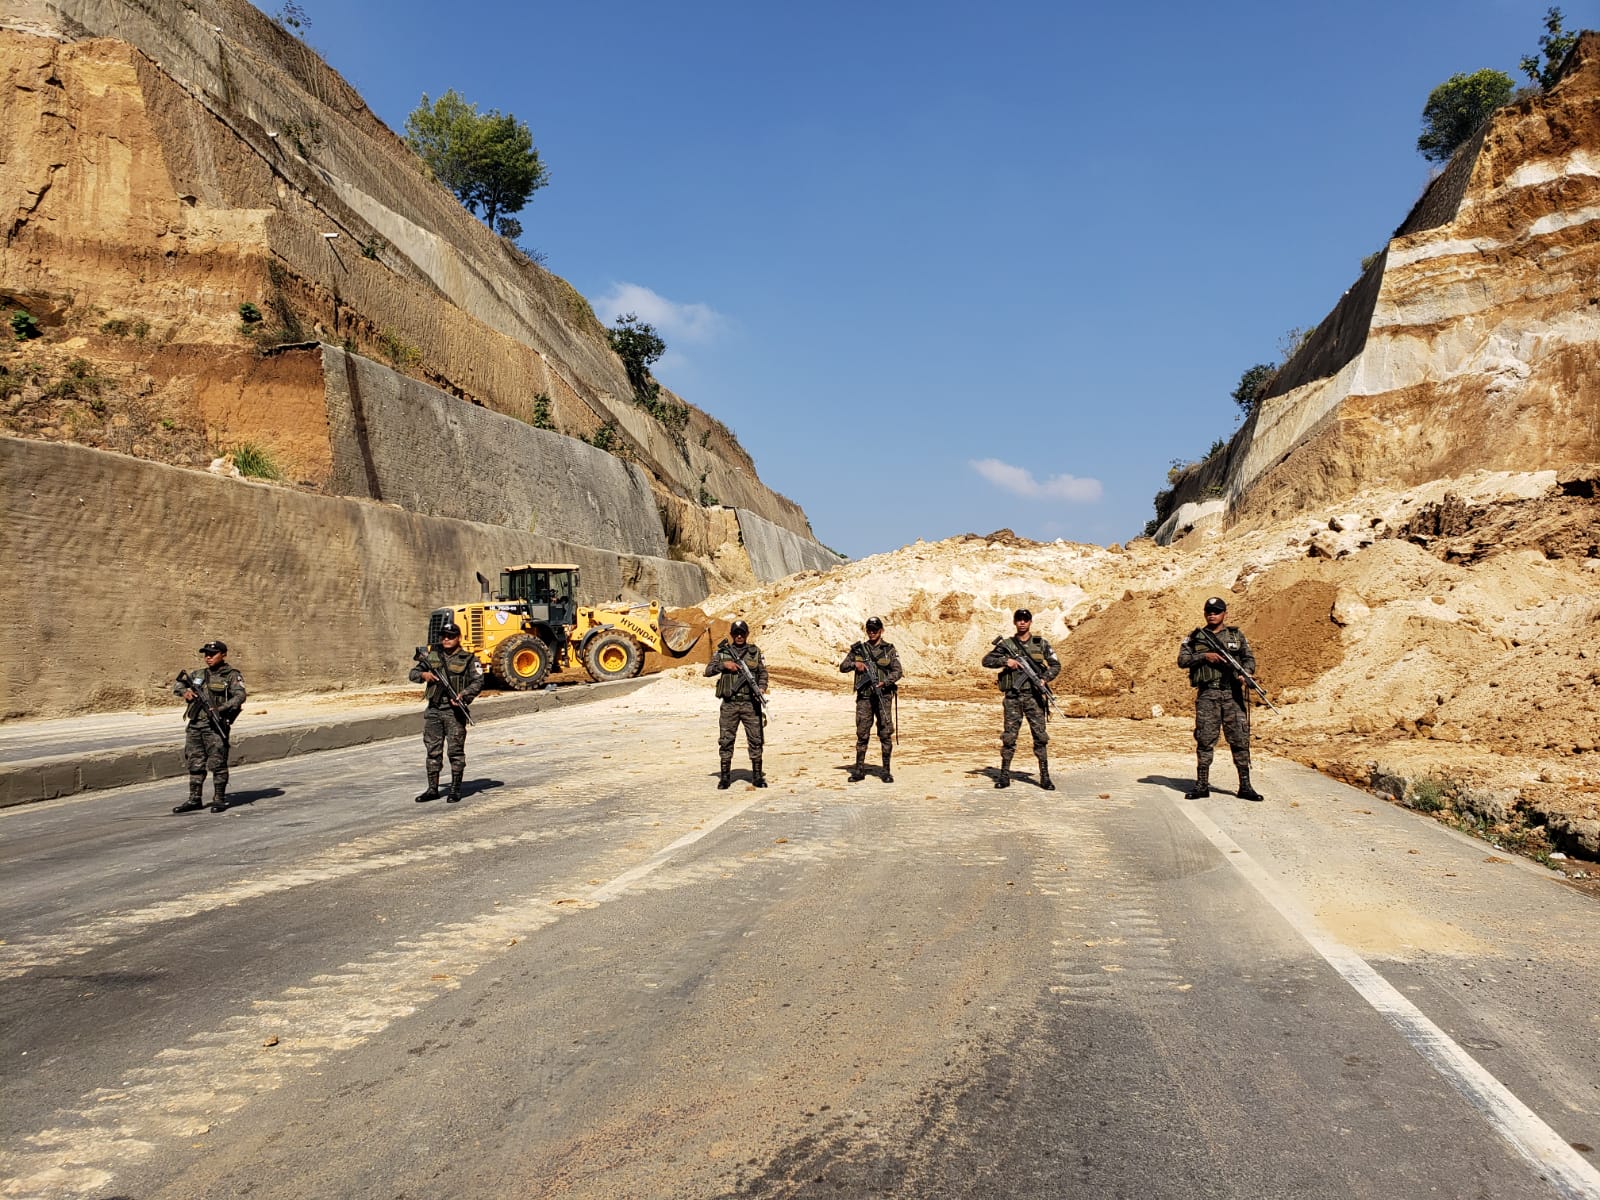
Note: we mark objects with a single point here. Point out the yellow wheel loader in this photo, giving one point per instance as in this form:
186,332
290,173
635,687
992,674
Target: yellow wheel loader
534,625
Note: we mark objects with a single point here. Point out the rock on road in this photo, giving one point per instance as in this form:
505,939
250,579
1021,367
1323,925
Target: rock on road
598,976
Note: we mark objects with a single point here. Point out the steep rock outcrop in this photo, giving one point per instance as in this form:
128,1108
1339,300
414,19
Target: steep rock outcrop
1471,343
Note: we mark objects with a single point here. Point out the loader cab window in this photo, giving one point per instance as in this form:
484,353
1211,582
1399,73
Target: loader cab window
541,587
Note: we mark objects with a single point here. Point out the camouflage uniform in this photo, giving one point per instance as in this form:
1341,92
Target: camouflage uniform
204,749
739,706
872,702
1219,703
1022,701
442,724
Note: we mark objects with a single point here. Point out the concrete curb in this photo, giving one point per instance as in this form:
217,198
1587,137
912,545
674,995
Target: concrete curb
35,779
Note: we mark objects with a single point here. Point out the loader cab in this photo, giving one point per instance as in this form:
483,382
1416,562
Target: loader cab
548,590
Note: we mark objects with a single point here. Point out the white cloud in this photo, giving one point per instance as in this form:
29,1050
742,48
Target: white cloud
1020,481
695,323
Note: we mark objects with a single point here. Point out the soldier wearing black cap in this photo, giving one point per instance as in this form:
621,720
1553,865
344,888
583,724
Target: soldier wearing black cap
205,747
1219,703
873,700
1021,697
442,722
740,706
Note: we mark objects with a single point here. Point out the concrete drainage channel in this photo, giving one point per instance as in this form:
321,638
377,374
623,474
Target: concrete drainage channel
26,780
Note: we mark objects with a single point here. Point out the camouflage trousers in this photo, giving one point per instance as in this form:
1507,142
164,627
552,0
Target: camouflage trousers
1221,710
204,750
741,710
441,727
1019,705
869,708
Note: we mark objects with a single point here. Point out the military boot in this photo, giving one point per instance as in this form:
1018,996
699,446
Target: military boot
454,796
194,803
859,771
1202,783
433,788
1246,792
1003,780
887,777
725,777
1044,774
759,779
219,796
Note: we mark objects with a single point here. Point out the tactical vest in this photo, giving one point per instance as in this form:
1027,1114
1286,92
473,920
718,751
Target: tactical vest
1037,649
1203,674
215,682
733,683
882,656
454,668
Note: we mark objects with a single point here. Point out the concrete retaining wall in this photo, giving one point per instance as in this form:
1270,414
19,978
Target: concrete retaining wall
775,551
398,440
119,568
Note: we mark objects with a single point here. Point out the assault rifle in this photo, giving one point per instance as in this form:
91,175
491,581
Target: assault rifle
863,651
1046,696
442,678
1238,669
749,677
186,680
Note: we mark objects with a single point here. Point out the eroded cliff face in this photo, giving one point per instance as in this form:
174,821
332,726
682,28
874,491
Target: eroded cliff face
1472,344
165,164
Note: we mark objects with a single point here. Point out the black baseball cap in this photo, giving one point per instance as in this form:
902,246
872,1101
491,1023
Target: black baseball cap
874,624
1216,604
214,648
450,630
1022,614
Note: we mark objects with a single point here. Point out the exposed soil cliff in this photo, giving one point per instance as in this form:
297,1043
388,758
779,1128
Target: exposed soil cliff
166,165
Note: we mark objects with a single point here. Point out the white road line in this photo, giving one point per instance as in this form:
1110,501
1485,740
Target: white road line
1556,1161
185,1090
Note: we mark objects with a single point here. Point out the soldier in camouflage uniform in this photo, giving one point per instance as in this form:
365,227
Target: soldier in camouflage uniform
204,748
1021,698
873,701
442,722
1219,703
740,706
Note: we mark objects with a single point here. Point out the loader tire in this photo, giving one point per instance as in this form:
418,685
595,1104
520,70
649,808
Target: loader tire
612,656
523,661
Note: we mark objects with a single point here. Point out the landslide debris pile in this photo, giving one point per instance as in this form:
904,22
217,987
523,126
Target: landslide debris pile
1448,632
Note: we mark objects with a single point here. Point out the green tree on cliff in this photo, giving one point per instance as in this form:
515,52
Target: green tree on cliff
1251,386
1457,107
1554,45
487,159
638,345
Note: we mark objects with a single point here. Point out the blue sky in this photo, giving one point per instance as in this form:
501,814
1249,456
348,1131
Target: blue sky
948,268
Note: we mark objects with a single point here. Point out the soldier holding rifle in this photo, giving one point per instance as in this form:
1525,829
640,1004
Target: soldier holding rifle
1027,665
1220,664
741,676
454,678
877,676
215,697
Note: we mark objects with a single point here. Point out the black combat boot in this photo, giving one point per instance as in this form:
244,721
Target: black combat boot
887,777
1246,792
455,789
725,777
433,788
194,803
1202,783
219,796
1003,780
859,771
1044,774
759,779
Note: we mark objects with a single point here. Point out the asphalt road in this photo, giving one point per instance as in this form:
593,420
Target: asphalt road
598,976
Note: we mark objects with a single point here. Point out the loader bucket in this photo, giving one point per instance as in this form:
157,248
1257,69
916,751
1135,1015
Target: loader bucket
677,640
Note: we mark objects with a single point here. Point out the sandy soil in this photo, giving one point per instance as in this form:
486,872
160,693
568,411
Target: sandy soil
1440,646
